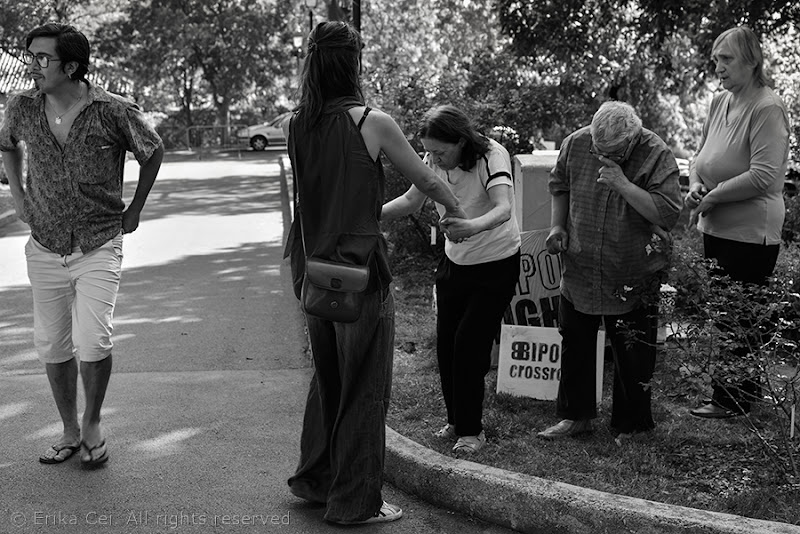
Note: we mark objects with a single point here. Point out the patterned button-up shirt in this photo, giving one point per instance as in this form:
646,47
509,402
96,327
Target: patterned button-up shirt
74,192
612,257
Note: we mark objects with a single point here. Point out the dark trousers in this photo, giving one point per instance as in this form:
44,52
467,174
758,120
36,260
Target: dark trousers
633,341
750,263
343,440
471,301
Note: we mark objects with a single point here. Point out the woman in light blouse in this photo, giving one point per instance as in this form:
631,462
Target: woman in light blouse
736,182
478,273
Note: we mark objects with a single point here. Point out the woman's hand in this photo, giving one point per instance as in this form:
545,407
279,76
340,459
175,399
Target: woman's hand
696,193
703,207
458,213
456,230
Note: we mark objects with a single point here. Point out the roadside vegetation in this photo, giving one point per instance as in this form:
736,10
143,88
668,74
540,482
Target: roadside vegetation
744,466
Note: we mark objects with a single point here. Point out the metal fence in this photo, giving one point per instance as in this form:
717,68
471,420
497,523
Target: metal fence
199,137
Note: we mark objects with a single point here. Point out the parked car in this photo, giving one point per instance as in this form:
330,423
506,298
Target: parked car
260,136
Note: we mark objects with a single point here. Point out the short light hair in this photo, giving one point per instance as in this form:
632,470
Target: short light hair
746,46
614,123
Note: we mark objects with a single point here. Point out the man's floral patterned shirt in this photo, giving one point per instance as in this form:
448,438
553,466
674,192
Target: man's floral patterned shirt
74,193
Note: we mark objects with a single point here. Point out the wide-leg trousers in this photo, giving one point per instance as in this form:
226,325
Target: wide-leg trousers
343,438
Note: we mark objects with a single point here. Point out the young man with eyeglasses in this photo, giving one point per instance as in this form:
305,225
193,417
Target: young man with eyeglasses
77,136
615,198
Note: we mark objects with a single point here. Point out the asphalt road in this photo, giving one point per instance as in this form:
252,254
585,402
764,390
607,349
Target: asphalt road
210,374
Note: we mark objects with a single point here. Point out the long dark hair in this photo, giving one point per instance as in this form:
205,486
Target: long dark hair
331,69
449,124
71,45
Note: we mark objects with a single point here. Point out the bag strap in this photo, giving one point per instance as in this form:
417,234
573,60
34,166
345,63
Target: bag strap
298,208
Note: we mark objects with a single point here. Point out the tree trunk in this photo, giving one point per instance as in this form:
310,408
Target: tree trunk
224,119
186,97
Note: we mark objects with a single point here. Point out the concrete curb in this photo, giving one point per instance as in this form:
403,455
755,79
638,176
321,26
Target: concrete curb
538,506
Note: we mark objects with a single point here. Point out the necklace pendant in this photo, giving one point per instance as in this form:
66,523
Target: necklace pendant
58,120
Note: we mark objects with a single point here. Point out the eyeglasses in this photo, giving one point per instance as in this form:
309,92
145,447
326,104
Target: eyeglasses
616,156
43,61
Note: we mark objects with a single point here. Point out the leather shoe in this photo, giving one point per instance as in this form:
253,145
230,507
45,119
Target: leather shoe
566,428
712,411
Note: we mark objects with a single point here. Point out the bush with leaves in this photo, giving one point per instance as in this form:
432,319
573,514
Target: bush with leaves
723,332
791,224
410,235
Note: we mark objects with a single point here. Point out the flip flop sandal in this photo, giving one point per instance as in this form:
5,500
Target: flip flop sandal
54,455
92,461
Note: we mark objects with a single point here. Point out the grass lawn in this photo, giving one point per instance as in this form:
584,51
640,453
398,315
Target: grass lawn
711,465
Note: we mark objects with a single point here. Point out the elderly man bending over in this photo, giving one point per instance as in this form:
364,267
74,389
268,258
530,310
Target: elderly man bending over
615,197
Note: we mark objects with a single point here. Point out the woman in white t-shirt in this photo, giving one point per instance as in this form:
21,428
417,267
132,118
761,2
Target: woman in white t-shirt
477,276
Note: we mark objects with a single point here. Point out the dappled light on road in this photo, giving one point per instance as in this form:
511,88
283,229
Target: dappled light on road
166,444
204,234
10,410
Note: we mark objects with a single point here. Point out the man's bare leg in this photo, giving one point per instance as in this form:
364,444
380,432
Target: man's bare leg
95,376
63,379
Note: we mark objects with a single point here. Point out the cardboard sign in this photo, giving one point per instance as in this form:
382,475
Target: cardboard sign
530,362
535,301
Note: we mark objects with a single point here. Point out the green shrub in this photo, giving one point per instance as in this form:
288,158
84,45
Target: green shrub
791,225
410,235
723,332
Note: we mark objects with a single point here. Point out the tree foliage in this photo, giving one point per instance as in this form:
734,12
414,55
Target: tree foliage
17,17
653,53
202,53
418,55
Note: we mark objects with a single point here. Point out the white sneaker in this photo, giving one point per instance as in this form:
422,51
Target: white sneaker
388,512
470,444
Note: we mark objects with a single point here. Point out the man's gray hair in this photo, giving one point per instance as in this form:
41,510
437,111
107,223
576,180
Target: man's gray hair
614,123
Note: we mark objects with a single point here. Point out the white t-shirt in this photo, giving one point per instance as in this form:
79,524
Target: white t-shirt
471,187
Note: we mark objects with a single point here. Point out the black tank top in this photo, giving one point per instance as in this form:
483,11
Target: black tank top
340,190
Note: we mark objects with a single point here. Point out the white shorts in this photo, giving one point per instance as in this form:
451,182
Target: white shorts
73,300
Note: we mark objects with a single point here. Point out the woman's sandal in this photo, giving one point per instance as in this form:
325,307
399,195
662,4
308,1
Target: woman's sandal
470,444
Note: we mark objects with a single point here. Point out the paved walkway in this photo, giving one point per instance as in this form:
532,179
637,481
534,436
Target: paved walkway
205,403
